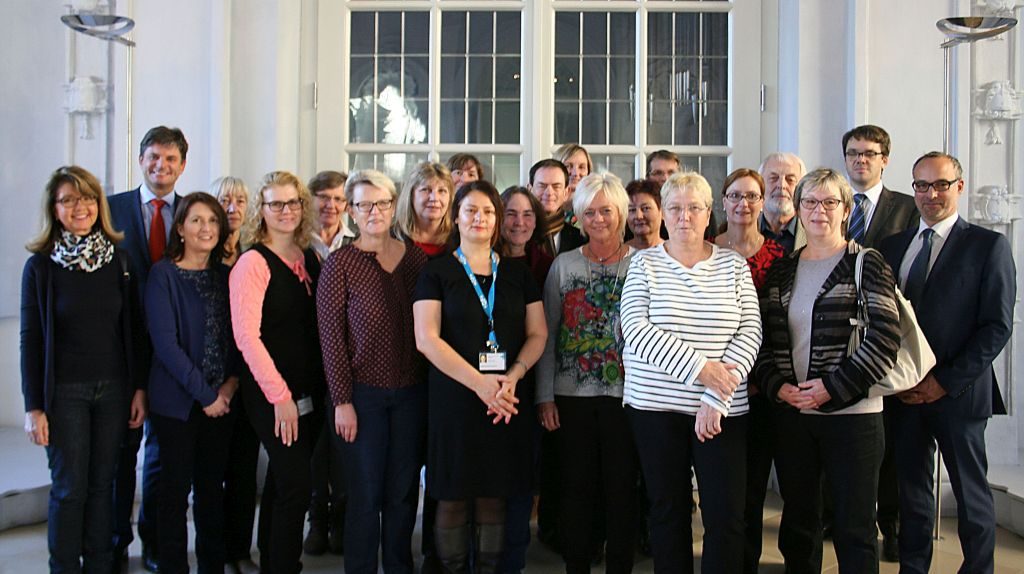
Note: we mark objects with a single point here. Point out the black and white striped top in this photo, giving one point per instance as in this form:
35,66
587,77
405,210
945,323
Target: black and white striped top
675,319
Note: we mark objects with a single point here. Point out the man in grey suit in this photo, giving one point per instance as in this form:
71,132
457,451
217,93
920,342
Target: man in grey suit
145,214
878,213
961,280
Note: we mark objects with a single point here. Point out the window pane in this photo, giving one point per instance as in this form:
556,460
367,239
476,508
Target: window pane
453,32
453,77
389,32
622,78
508,40
453,121
360,77
595,33
593,125
506,122
659,78
567,118
417,77
567,33
478,122
659,123
716,34
506,77
567,73
623,166
394,165
716,74
480,77
687,34
417,33
506,170
686,132
715,125
659,34
621,124
622,33
481,33
362,42
595,78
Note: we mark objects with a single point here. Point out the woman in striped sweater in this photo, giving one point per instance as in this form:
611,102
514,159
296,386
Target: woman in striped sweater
827,423
692,329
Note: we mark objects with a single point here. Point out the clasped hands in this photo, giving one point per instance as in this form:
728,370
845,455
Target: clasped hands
809,394
498,392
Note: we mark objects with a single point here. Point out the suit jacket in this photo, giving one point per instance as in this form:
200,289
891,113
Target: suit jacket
894,213
966,313
126,213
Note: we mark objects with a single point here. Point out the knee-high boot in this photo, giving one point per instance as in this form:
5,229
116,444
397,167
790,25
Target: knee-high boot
452,548
490,541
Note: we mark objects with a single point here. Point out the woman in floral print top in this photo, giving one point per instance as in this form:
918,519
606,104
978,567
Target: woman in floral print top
580,380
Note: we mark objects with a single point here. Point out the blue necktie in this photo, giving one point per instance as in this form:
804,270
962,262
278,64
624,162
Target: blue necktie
919,268
858,220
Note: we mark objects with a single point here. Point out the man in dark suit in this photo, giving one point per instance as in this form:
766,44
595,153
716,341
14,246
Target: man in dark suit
960,279
781,172
549,183
878,213
145,214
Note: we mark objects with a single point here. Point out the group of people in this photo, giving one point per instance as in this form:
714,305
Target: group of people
576,337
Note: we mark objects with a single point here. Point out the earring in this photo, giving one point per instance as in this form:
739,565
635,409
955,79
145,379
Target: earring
182,239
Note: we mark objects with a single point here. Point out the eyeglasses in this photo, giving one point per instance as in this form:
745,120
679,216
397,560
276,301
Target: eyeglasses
868,155
810,204
72,201
749,197
331,199
291,204
939,185
693,209
367,206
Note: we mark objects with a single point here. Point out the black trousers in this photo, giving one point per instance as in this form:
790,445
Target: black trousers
598,464
962,443
888,489
285,500
667,443
760,454
193,457
240,484
327,505
848,450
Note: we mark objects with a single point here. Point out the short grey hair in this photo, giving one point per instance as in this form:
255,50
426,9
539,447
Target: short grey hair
588,188
370,177
827,178
785,157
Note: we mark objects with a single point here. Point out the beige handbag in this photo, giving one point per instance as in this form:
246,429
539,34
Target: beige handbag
915,357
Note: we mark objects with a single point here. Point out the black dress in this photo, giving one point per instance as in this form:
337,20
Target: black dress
467,455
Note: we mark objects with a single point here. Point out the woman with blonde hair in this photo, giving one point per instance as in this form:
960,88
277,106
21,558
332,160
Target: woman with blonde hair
273,313
423,215
79,322
233,196
577,160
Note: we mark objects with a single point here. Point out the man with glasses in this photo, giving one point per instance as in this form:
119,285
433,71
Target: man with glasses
661,165
878,213
781,172
145,214
961,280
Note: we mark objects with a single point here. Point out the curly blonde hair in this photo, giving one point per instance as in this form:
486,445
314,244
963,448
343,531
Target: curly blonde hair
255,230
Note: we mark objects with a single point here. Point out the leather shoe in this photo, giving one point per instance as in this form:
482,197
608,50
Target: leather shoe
890,548
149,560
316,539
120,564
246,566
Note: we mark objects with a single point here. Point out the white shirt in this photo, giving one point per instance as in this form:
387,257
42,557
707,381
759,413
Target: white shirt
870,202
145,196
941,229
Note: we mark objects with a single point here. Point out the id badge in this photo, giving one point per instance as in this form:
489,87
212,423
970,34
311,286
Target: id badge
305,405
492,361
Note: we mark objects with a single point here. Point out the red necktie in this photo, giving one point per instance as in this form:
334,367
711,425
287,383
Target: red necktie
157,231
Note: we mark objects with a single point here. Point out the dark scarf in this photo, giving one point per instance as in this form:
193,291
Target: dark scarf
556,221
83,253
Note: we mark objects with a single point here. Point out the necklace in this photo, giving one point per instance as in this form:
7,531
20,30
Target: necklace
600,259
603,323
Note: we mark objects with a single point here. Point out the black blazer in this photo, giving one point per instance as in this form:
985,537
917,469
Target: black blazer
966,313
894,213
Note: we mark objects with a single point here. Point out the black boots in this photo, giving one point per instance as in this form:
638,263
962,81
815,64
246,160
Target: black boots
453,548
490,541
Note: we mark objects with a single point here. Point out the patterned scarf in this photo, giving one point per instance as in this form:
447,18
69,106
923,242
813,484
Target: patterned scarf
87,253
556,221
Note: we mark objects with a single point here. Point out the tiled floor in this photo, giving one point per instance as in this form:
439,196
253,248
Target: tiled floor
23,551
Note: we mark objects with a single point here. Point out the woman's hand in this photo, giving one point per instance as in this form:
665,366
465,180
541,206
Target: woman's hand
547,413
499,402
807,395
218,408
345,422
815,393
286,422
229,388
719,377
137,414
709,423
37,426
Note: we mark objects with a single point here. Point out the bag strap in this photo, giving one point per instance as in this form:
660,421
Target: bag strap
862,302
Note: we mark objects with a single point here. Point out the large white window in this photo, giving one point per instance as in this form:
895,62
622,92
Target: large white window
510,80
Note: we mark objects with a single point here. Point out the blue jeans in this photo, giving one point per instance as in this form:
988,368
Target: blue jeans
382,467
87,422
